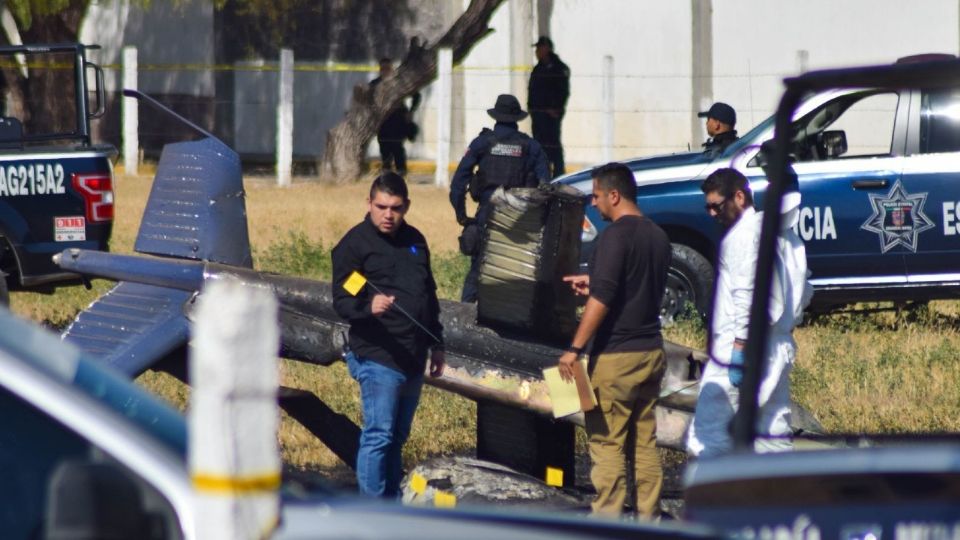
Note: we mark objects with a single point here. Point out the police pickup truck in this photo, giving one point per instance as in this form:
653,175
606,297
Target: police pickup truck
56,187
879,173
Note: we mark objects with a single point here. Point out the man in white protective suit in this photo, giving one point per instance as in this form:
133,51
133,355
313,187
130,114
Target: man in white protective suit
730,201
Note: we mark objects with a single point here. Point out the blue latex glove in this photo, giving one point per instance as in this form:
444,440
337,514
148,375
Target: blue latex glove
735,371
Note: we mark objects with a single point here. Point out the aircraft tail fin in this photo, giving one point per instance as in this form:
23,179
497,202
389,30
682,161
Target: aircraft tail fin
196,209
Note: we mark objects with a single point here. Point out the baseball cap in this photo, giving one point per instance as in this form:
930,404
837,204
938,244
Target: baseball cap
544,40
721,112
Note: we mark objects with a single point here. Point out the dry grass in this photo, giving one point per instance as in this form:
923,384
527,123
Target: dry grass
855,373
882,373
323,213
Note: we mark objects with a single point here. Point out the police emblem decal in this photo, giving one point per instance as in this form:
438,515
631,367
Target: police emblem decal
897,218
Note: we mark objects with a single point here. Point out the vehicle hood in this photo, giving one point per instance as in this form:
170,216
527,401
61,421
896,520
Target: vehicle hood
669,160
687,165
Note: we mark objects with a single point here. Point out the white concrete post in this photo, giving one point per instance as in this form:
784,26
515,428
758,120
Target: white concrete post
130,113
233,418
285,119
444,115
608,116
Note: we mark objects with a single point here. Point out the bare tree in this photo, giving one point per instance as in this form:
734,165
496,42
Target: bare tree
343,156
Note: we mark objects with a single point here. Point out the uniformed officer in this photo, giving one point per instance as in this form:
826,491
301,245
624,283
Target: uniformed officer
502,156
721,119
547,96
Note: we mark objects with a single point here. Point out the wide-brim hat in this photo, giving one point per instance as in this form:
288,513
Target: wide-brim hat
507,109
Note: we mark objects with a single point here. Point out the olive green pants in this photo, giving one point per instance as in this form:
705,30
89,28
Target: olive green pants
627,386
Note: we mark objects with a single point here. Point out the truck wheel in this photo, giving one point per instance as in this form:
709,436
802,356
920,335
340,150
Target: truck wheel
689,281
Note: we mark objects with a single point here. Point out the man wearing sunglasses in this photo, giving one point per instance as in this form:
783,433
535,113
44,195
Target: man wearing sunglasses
730,201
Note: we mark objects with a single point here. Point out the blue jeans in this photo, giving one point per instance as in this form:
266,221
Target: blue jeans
389,399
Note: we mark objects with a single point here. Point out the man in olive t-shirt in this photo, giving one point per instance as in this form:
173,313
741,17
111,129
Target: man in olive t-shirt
628,275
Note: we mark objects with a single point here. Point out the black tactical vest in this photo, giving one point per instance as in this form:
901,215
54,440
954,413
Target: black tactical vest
502,163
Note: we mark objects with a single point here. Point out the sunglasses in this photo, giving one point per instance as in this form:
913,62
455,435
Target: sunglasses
715,207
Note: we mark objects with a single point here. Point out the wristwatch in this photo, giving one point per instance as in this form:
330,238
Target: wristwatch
575,350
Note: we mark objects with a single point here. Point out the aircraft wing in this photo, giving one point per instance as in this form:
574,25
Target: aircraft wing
132,326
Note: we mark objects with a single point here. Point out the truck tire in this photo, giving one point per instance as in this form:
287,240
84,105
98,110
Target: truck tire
689,281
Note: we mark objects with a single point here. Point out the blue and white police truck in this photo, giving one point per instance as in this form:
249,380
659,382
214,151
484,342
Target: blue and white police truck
56,186
879,173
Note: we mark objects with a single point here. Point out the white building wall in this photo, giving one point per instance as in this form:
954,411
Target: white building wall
757,43
753,45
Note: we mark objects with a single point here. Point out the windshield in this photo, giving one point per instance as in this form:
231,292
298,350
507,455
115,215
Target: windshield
750,137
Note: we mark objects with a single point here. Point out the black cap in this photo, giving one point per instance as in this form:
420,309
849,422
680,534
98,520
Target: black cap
507,109
544,40
721,112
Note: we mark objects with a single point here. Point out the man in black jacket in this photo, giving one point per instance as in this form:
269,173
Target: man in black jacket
547,96
394,320
502,156
721,119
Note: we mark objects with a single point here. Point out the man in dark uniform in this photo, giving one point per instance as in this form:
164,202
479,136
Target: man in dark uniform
394,318
721,119
503,156
397,126
547,101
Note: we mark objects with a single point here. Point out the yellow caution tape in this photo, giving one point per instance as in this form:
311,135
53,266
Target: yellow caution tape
354,283
238,485
418,484
442,499
554,477
275,66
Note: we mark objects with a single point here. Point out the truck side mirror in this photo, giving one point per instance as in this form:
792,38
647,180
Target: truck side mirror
95,500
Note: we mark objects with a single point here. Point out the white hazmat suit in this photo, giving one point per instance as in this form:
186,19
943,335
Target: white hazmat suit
709,433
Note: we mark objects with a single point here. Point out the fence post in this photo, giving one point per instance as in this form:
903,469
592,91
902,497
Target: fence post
285,119
608,117
233,418
130,113
444,114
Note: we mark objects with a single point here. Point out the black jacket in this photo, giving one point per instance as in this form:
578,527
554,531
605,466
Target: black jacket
549,85
399,266
718,144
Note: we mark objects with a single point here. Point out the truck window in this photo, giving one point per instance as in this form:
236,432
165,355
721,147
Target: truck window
940,121
35,117
868,124
32,444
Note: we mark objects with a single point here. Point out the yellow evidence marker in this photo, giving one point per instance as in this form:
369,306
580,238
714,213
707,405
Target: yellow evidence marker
442,499
418,484
554,477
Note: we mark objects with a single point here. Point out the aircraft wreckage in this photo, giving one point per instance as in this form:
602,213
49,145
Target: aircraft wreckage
194,231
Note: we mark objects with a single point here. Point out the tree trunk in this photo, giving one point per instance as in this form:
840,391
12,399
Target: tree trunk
44,101
343,157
